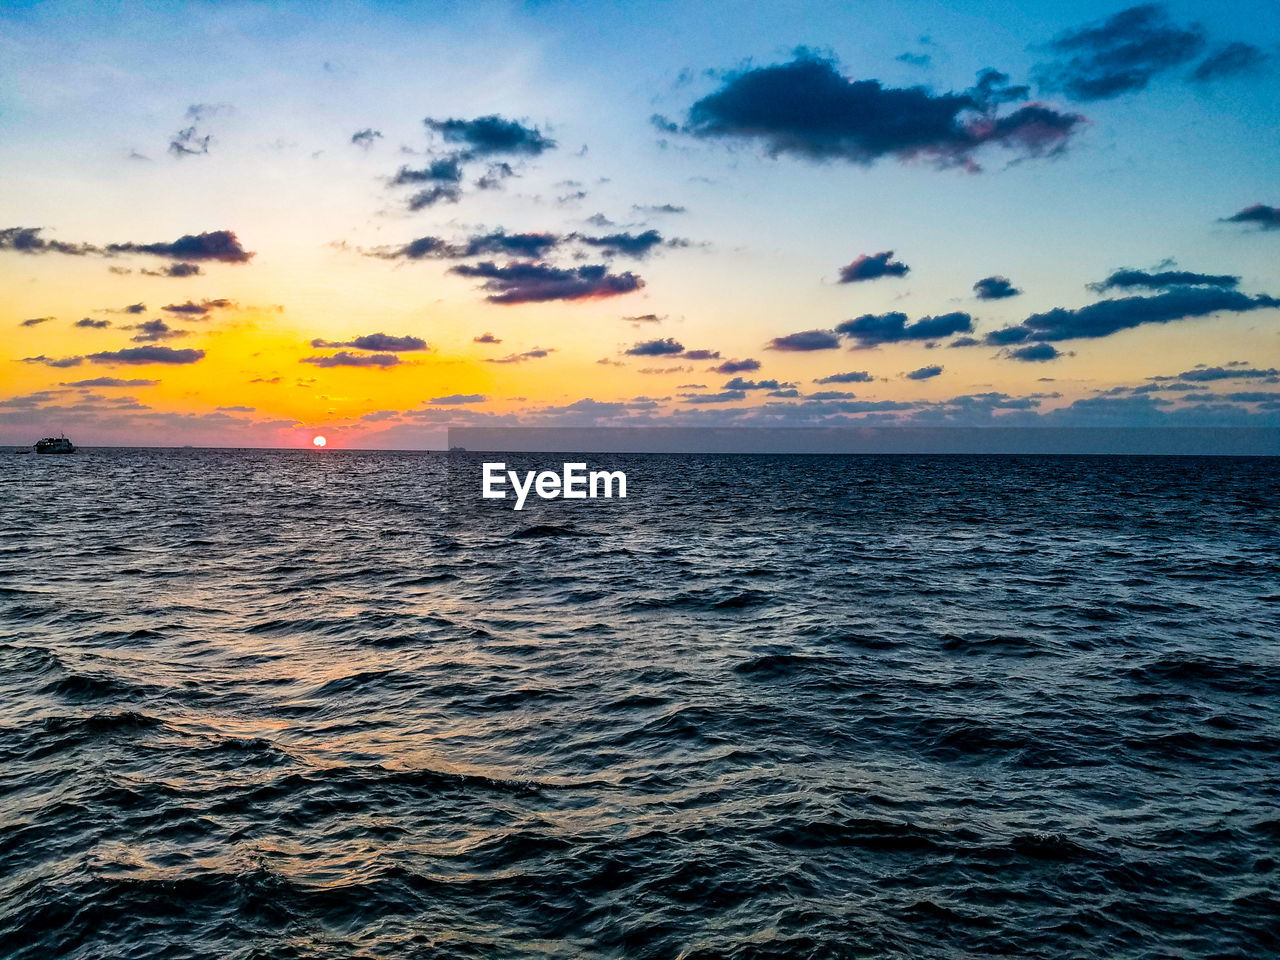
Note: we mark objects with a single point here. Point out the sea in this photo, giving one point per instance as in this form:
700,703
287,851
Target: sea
333,704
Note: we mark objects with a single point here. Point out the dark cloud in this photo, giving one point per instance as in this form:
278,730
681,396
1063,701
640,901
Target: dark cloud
727,396
133,308
1128,279
663,124
1034,130
832,395
1267,218
964,342
525,245
441,193
587,409
109,382
873,266
35,321
222,246
187,142
738,366
529,282
1252,396
924,373
535,245
366,137
537,353
495,175
738,383
443,170
638,245
219,245
993,88
1121,411
455,399
645,318
193,309
658,208
1118,55
657,348
856,406
1000,401
806,108
994,288
806,340
914,59
871,329
28,240
494,242
485,136
419,249
486,338
1110,316
178,270
59,362
345,359
140,355
854,376
1034,353
701,355
1230,60
29,401
92,324
383,342
1209,374
154,330
662,370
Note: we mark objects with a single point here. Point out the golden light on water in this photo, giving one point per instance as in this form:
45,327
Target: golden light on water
319,441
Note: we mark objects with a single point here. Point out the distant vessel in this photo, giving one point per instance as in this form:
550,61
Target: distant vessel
457,449
55,445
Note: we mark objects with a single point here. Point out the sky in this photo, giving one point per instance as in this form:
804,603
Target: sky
231,224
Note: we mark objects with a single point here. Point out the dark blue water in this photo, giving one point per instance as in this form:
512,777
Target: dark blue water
299,705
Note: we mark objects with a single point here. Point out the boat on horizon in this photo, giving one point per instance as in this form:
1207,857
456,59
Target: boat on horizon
55,445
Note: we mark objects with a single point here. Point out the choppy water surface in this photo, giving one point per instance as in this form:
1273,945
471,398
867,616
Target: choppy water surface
301,705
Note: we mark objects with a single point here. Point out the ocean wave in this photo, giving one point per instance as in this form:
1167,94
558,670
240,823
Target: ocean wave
270,707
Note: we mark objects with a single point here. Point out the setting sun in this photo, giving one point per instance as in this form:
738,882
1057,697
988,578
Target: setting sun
319,441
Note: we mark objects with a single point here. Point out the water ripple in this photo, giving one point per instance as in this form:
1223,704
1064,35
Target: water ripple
294,705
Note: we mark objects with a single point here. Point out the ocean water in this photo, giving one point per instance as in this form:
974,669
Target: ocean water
332,705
